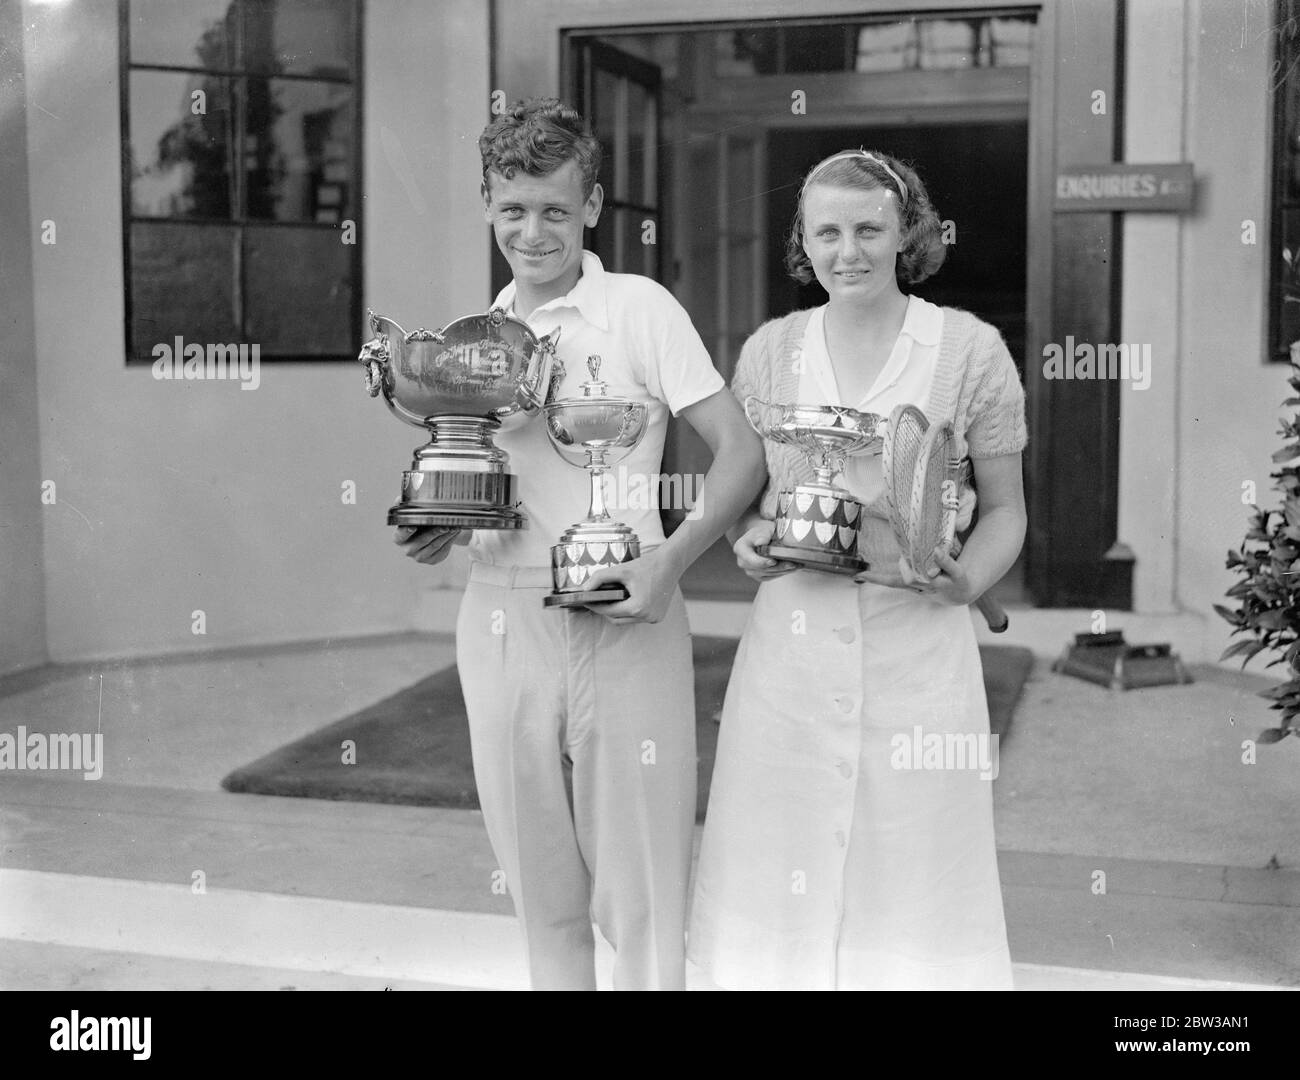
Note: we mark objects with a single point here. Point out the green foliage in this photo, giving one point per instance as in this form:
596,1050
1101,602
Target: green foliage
1268,589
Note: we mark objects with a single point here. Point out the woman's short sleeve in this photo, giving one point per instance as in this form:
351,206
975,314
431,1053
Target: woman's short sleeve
995,422
745,379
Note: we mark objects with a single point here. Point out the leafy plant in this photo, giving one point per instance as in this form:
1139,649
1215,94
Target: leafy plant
1268,592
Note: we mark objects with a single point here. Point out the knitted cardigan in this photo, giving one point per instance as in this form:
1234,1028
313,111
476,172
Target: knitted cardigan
975,387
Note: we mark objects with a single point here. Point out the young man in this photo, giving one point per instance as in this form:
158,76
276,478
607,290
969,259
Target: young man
582,721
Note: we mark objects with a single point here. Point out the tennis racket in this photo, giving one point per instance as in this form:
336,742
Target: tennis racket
924,479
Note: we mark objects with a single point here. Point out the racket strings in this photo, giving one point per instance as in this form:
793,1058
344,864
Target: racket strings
935,498
907,428
924,480
927,526
906,453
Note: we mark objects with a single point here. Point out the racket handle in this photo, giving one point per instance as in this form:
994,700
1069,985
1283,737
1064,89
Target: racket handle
994,614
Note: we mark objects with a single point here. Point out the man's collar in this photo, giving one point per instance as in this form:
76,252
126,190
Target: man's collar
588,295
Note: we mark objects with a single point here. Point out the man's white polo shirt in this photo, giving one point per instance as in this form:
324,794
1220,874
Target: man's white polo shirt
649,352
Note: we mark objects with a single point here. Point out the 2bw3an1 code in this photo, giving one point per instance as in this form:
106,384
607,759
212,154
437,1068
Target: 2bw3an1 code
1146,1023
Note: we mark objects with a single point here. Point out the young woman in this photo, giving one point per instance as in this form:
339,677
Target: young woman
836,853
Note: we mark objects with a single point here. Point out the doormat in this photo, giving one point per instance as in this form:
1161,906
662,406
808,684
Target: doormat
413,747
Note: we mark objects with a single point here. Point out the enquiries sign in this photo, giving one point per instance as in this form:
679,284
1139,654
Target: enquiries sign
1098,188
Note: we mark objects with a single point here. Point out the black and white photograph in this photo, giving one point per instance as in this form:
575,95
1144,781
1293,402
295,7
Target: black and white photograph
651,495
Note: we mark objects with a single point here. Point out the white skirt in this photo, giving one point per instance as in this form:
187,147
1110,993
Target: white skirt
849,838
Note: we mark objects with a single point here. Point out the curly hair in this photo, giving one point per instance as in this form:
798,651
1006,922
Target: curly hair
537,137
922,251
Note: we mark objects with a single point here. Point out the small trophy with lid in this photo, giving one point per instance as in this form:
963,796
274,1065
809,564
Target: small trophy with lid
593,432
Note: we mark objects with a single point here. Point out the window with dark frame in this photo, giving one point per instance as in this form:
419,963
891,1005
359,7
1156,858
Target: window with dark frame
1284,253
240,175
618,94
883,43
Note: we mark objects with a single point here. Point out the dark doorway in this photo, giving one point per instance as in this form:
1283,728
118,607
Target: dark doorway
978,179
967,91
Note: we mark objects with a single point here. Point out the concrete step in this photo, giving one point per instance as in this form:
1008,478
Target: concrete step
403,893
36,965
110,933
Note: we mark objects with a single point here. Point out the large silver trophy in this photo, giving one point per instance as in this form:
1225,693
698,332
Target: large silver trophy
817,524
461,383
593,431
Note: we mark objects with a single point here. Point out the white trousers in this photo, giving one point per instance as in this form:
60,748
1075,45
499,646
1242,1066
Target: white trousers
583,737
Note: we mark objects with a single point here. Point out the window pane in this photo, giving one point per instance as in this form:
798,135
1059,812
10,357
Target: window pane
299,37
699,283
639,257
1011,42
1288,278
948,43
744,52
299,292
640,134
600,240
180,145
182,283
815,48
1288,153
889,47
298,150
742,262
192,33
604,121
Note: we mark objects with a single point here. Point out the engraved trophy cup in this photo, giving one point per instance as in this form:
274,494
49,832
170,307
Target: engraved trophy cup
461,383
817,524
593,432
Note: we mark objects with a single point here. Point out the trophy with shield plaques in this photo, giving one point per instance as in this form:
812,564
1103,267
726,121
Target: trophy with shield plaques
475,376
593,431
817,524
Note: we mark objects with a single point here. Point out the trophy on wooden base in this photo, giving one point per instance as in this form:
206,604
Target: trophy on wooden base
817,524
462,383
594,432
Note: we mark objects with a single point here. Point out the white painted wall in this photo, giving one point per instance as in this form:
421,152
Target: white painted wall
1154,132
182,496
22,585
1197,90
1229,396
179,496
1198,78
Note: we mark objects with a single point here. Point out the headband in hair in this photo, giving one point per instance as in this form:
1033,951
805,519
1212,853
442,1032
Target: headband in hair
898,180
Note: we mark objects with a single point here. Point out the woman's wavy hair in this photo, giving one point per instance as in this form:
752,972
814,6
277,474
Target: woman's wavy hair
536,137
922,251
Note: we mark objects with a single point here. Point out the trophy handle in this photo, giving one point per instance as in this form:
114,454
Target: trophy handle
375,355
629,417
749,415
538,380
830,466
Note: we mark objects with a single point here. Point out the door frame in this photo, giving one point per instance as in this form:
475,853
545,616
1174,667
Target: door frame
1073,260
599,56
